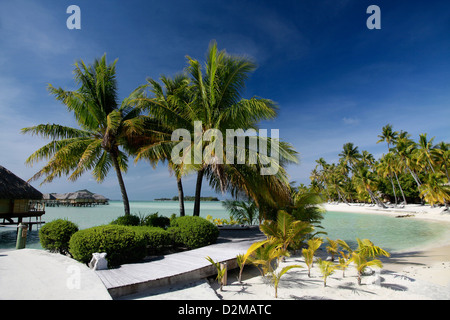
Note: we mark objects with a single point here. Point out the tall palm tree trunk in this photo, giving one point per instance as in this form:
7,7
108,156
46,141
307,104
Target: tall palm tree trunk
375,199
393,188
180,197
126,203
414,175
446,172
400,186
198,190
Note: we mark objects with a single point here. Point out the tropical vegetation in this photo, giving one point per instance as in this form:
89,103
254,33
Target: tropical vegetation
55,235
409,172
207,98
286,234
105,128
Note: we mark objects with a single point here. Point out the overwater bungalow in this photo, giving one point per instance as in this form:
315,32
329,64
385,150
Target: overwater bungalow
18,200
81,198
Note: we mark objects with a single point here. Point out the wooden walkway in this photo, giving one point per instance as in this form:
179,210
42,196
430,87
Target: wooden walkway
178,267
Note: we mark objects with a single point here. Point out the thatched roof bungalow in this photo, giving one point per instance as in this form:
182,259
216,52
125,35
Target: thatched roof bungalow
18,199
77,198
100,199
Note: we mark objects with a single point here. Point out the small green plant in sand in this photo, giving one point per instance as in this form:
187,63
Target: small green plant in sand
221,271
308,253
242,258
332,248
344,262
327,268
276,276
364,256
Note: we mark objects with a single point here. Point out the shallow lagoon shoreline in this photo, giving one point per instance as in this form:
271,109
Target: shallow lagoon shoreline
416,211
421,273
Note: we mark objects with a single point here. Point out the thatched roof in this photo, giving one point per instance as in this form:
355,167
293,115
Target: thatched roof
77,195
100,197
13,187
80,195
48,196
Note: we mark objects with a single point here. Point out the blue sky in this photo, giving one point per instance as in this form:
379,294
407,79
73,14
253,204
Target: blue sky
335,80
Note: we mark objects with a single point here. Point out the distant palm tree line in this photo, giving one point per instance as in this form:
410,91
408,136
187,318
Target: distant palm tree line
409,171
142,124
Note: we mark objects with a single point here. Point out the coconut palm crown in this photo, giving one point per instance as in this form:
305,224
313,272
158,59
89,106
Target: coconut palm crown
105,127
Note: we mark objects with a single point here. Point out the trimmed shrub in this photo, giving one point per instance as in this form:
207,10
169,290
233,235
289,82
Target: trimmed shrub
193,232
155,238
127,220
154,220
55,235
122,244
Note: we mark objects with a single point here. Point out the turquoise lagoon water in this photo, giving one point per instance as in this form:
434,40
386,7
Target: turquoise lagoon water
387,232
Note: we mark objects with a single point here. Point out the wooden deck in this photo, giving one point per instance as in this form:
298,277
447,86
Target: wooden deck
178,267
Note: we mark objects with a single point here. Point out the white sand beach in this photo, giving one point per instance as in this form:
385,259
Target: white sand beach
416,211
422,274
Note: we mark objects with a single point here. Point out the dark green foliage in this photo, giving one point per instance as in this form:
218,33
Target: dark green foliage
154,220
121,243
193,232
55,235
155,238
408,184
127,220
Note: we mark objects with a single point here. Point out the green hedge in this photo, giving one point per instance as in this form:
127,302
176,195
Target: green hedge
155,220
155,238
193,232
55,235
127,220
127,244
121,243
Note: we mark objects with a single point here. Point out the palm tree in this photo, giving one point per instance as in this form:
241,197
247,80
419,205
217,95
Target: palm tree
263,256
168,105
425,151
306,206
105,127
217,102
368,159
365,181
242,258
397,167
388,135
391,137
336,181
362,263
366,249
332,248
243,211
344,262
442,157
276,276
322,176
286,230
385,169
404,148
350,154
327,268
434,190
308,253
